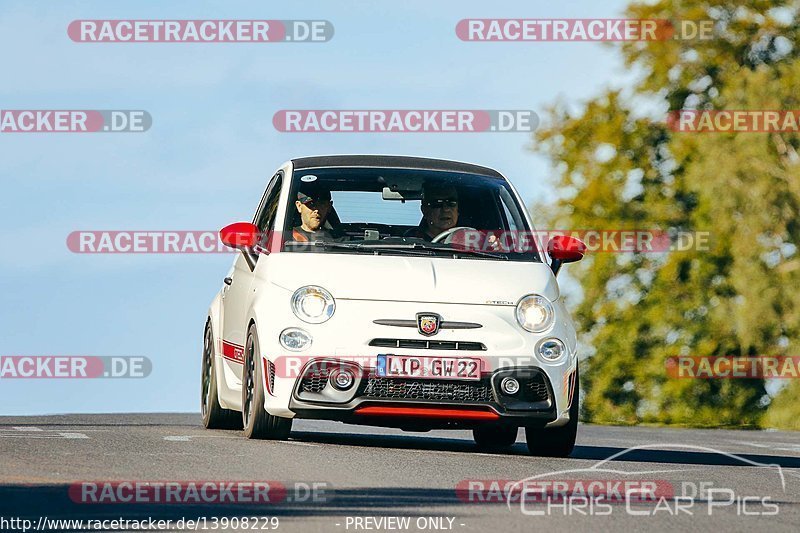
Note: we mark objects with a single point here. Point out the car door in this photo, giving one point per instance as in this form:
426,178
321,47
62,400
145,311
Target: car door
236,292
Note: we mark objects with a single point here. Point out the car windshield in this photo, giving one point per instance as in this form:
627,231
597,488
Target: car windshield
397,211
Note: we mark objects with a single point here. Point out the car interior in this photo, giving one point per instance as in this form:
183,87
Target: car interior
478,208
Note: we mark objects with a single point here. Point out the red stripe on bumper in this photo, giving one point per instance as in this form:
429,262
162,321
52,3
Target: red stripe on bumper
424,412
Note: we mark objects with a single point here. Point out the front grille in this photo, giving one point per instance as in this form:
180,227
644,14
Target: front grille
535,390
314,381
424,344
422,389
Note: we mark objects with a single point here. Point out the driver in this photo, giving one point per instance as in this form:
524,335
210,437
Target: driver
439,211
314,206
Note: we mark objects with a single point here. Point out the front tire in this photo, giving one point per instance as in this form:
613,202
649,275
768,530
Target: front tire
257,422
559,441
214,416
495,437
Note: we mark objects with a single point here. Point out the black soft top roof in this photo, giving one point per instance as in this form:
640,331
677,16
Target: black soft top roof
392,161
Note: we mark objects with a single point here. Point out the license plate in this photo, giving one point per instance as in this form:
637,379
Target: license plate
409,366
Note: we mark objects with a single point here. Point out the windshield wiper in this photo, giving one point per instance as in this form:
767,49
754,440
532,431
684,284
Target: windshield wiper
414,248
368,247
450,251
480,253
326,244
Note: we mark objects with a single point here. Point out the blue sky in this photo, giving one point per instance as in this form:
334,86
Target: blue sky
205,161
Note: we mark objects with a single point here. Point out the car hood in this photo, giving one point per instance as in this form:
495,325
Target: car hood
413,279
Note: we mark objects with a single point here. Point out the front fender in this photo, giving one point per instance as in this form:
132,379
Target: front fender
271,312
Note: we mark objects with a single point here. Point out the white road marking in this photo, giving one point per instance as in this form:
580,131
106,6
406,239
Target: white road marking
18,436
777,446
185,438
54,436
68,435
188,438
298,443
30,432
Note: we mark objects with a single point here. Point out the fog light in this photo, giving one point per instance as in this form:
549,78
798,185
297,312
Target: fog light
509,386
342,379
552,349
295,339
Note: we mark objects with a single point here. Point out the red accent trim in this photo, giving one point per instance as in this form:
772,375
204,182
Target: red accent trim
425,412
233,352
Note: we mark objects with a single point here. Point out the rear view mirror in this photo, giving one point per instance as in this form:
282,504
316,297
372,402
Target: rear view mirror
563,249
239,235
401,195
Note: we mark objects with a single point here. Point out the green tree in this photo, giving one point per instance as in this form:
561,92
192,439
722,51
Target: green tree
621,168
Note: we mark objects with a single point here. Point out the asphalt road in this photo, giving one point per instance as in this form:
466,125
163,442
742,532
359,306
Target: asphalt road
375,479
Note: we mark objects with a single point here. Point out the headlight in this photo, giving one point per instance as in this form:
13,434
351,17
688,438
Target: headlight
552,349
535,313
313,304
295,339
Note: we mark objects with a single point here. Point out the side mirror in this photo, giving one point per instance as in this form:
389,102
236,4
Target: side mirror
239,235
563,249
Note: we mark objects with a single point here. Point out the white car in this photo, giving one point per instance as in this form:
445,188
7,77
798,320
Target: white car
393,291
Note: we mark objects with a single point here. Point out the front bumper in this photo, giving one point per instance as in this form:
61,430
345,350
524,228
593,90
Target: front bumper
353,336
422,404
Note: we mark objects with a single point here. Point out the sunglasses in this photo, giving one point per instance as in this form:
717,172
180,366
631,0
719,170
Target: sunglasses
310,203
440,203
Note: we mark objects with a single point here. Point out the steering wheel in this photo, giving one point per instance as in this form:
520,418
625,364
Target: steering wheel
443,236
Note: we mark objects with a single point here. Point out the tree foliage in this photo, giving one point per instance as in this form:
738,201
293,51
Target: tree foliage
620,167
